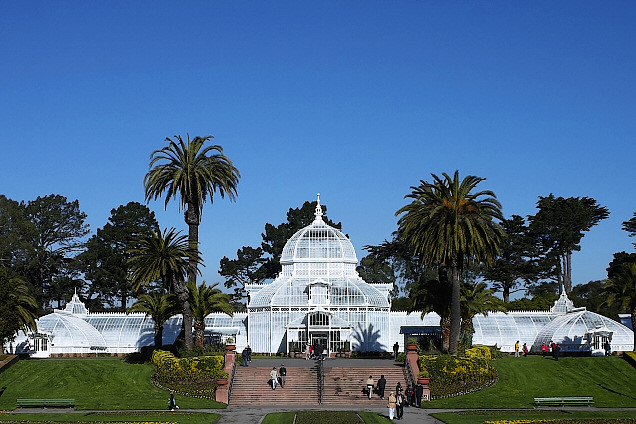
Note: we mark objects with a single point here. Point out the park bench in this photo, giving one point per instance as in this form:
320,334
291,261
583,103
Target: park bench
46,403
564,401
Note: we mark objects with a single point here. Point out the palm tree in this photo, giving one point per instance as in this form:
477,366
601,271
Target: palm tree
621,290
205,300
449,225
158,306
477,299
192,173
430,295
19,308
167,258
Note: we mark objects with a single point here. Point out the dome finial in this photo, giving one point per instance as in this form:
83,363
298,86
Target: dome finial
318,212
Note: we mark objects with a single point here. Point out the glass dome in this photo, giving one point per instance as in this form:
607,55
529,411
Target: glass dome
318,242
71,332
571,330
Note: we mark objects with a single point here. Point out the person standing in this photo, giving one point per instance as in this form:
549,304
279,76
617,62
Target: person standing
396,349
274,377
381,386
399,405
544,349
419,392
249,353
307,352
517,349
555,351
282,371
391,405
370,384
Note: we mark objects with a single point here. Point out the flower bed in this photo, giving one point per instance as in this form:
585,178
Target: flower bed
568,421
194,377
450,376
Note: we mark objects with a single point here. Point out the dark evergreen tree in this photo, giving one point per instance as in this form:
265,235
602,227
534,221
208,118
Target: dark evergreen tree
516,265
558,228
630,226
105,261
56,236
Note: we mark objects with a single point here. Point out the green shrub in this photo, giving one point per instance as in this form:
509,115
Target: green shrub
451,376
194,376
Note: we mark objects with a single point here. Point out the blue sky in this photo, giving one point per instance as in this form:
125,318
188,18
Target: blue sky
355,100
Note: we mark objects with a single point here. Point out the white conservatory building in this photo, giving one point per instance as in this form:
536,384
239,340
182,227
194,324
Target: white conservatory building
319,298
574,329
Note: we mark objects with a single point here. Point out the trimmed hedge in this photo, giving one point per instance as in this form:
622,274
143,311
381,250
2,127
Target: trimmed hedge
194,377
451,376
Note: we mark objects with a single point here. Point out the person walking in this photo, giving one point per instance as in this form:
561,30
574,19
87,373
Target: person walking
274,377
396,349
381,386
399,406
517,349
390,404
282,371
307,352
172,404
370,384
249,353
555,351
244,357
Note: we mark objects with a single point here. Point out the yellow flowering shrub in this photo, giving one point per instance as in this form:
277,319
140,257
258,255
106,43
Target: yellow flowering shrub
190,376
478,351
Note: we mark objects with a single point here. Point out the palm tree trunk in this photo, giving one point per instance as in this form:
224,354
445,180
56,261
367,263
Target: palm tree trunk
444,323
192,220
182,294
199,333
455,308
158,336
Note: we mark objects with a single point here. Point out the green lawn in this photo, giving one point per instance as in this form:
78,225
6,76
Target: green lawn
94,383
158,417
610,380
478,417
331,417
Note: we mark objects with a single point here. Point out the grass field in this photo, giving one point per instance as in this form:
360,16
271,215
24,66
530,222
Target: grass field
478,417
111,384
94,383
332,417
158,417
610,380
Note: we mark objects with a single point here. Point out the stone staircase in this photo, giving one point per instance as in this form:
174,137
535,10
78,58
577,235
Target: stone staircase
343,385
347,385
251,387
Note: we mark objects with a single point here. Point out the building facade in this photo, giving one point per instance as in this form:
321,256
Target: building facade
318,298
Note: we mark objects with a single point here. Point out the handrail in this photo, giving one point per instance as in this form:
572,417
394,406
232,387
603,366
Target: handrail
408,373
321,382
229,390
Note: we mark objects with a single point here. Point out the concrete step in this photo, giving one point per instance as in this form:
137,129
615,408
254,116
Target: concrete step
342,386
251,387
